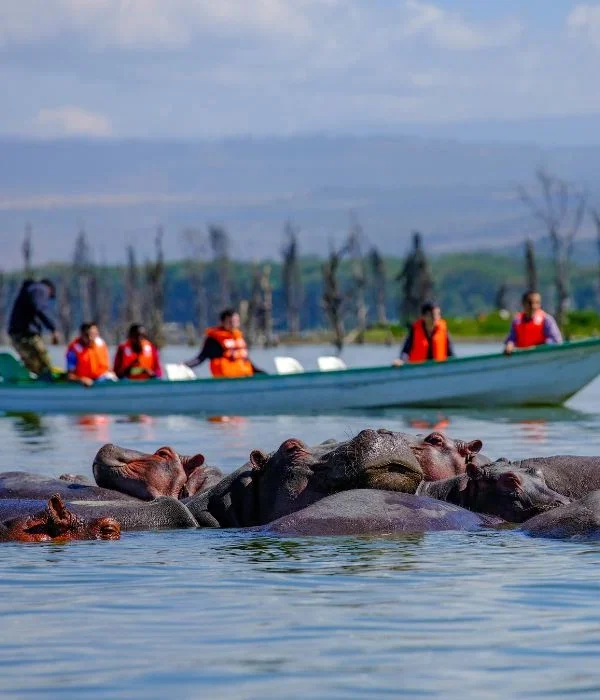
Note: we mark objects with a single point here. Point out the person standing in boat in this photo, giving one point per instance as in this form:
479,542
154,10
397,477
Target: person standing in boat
532,326
87,357
29,317
137,358
427,339
226,349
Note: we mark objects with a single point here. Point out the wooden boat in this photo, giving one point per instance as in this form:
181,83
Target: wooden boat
544,376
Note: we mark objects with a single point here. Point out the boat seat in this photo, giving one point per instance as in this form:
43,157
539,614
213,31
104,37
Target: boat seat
287,365
12,369
178,372
328,363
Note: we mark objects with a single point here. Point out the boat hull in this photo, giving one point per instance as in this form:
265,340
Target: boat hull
545,376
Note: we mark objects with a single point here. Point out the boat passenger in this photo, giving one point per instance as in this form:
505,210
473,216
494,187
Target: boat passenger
30,315
87,357
226,349
137,358
427,339
532,326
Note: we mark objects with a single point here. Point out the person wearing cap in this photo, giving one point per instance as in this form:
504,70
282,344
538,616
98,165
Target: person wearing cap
29,317
532,326
427,339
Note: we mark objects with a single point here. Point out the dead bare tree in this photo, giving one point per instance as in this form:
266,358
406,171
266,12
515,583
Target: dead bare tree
561,209
416,281
27,250
64,305
250,309
531,277
359,279
219,243
333,299
132,307
266,312
292,281
155,296
194,245
378,275
82,272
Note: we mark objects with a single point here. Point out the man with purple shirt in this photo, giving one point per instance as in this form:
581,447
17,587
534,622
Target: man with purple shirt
532,326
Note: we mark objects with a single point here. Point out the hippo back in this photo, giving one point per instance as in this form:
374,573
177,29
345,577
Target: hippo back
570,475
23,485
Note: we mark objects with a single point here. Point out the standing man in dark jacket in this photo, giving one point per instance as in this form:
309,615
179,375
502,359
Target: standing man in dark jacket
29,317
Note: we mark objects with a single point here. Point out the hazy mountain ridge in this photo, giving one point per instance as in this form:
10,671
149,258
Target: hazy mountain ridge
461,195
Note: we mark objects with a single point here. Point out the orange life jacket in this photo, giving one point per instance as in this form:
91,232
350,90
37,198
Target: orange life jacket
419,351
92,361
143,361
529,332
234,361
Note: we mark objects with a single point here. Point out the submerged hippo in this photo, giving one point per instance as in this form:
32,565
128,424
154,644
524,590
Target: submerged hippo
578,520
372,512
69,487
147,476
54,522
497,488
162,513
295,475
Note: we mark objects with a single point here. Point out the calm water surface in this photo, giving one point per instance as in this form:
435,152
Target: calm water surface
230,614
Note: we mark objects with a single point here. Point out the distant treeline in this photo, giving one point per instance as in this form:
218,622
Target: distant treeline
465,284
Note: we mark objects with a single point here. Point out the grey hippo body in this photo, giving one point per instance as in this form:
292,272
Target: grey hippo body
23,485
570,475
374,512
162,513
577,520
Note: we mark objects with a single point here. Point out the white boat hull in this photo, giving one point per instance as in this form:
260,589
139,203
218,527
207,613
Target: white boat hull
545,376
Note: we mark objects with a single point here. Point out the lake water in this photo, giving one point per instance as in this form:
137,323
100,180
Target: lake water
231,614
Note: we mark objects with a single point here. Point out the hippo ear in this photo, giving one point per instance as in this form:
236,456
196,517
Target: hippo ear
258,460
510,481
474,472
474,446
57,509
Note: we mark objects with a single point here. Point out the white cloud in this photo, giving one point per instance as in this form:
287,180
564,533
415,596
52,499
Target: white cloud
70,120
450,31
584,21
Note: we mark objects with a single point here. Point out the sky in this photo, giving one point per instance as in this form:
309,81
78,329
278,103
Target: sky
219,68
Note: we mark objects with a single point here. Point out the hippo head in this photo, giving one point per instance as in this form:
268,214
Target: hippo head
441,457
296,475
57,523
148,476
514,494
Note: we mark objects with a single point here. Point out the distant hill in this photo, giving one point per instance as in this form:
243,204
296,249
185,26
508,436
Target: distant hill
460,194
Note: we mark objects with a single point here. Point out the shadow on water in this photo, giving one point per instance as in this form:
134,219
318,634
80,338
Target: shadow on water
326,555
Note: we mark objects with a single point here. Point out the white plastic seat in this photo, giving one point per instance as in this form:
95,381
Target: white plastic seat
176,372
328,363
287,365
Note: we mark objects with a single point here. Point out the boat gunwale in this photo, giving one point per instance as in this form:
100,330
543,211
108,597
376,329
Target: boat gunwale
299,376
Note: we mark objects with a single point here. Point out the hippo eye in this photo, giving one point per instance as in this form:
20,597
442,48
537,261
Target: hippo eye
435,439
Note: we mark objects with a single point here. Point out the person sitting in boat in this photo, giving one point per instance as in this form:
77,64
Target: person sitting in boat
226,349
30,315
427,339
137,358
532,326
87,357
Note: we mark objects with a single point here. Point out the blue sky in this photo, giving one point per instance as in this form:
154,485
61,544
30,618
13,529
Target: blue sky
198,68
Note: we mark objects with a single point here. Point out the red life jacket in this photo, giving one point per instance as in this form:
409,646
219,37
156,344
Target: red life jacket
92,361
142,363
419,351
234,361
530,331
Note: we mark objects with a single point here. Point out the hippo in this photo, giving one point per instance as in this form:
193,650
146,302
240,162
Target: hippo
497,488
577,520
375,512
54,523
295,475
570,475
147,476
70,487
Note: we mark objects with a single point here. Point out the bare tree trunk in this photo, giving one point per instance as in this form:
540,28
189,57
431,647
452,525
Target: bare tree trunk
27,249
3,295
251,310
64,306
561,210
378,273
155,280
267,307
132,307
82,269
194,246
417,282
292,283
219,241
359,280
333,299
531,277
